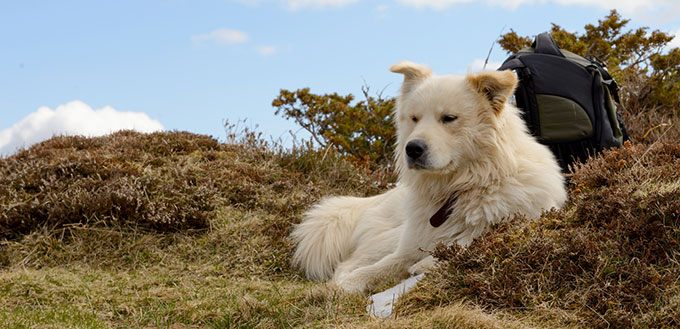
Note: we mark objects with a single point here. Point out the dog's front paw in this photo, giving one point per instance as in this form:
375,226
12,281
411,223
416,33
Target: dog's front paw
424,265
352,284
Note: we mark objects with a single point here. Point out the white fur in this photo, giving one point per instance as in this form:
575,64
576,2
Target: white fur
485,156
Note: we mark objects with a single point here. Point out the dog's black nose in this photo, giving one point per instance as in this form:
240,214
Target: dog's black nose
415,148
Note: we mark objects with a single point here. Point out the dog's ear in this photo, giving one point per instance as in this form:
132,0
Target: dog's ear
413,73
496,86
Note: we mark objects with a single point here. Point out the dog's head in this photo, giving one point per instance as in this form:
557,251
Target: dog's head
444,122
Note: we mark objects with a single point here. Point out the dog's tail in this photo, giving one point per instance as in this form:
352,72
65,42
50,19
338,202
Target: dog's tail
323,236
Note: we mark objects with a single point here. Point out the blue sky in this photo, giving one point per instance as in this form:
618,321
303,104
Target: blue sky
190,65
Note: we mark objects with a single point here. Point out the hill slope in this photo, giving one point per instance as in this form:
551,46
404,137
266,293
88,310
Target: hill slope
177,230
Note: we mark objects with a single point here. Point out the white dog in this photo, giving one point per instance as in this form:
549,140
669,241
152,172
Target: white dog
465,161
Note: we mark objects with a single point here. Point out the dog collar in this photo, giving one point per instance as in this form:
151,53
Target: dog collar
443,213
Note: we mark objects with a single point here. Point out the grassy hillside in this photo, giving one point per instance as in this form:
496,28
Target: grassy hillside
177,230
610,258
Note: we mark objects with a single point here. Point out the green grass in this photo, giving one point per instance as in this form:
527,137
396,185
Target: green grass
227,277
64,264
158,297
176,230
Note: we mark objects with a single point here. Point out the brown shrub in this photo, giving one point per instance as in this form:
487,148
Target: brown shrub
164,181
115,179
611,255
651,126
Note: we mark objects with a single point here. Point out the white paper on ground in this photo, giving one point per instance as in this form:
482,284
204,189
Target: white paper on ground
384,301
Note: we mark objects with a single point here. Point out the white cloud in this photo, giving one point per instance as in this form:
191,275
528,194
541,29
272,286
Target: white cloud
221,36
298,4
381,11
650,9
478,65
267,50
675,43
626,6
73,118
251,3
434,4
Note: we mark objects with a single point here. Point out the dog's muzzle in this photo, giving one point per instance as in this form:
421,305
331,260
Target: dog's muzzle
416,152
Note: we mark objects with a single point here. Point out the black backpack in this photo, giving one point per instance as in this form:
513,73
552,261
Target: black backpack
567,101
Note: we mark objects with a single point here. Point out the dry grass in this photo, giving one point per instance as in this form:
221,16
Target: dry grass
161,181
648,126
611,258
75,254
454,315
82,197
159,296
177,230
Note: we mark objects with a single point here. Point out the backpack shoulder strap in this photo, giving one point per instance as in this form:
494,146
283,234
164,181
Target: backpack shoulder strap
511,63
611,83
544,44
606,79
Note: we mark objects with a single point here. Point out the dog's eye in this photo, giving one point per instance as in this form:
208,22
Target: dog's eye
414,118
449,118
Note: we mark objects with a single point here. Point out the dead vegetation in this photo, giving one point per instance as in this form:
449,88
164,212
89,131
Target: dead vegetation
163,181
610,258
165,229
128,183
178,230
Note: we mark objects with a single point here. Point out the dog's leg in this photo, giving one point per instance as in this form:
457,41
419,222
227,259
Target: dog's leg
424,265
414,237
393,266
323,237
347,267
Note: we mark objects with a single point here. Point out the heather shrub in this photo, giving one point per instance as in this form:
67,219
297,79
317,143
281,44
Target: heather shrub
165,181
360,131
611,257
